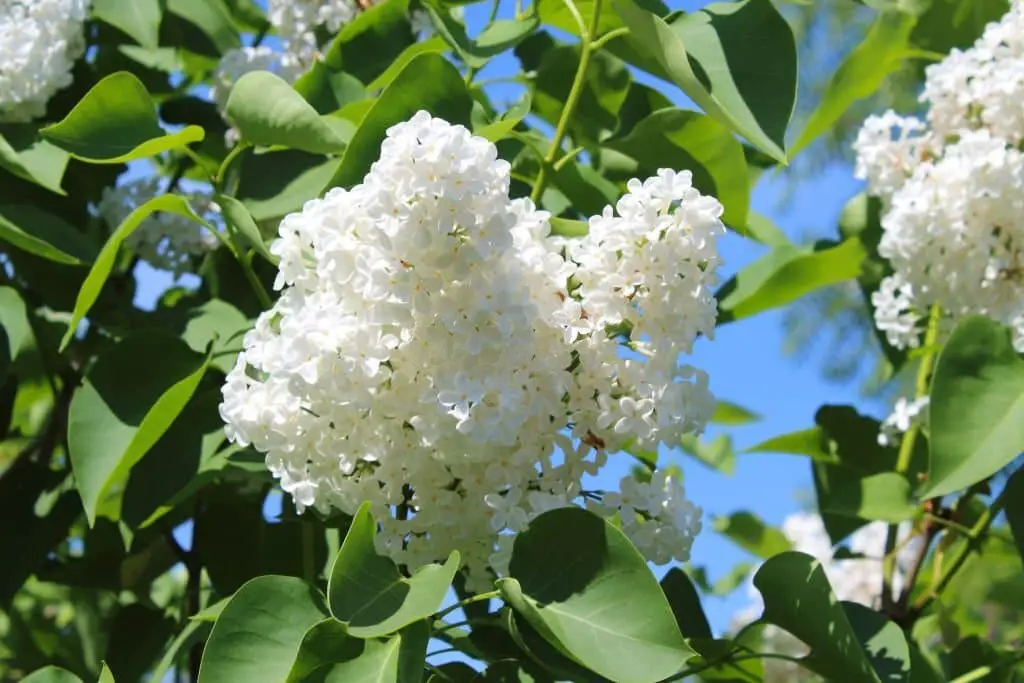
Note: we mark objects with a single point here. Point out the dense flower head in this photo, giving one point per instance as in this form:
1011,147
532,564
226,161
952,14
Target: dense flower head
39,43
435,351
983,86
297,22
952,188
167,241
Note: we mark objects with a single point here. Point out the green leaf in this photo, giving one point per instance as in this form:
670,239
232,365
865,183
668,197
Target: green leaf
566,227
761,228
104,263
718,453
785,274
112,424
976,413
368,46
883,642
503,125
194,632
14,329
746,63
884,496
749,532
430,82
579,581
239,218
267,111
797,597
369,593
434,44
257,636
51,674
685,603
946,24
139,19
861,74
216,322
116,122
1014,498
275,184
679,139
105,675
499,36
27,155
807,442
211,17
727,413
31,229
329,654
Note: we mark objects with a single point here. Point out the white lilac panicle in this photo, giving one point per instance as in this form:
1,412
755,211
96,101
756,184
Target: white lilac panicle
952,188
429,351
983,86
296,23
167,241
905,413
39,43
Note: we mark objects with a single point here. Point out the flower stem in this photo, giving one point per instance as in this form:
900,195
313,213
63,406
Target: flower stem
245,260
586,49
468,601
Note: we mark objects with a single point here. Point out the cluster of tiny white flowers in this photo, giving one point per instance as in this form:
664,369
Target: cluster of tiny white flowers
436,353
904,414
296,23
853,579
39,43
953,191
167,241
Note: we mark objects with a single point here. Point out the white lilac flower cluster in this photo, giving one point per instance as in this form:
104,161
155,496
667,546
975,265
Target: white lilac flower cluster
436,352
905,413
296,23
857,578
39,43
953,191
167,241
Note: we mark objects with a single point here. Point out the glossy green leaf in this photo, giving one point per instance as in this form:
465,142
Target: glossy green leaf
51,674
116,122
369,593
946,24
499,36
566,227
14,329
885,496
685,603
211,17
503,125
807,442
680,139
372,42
785,274
258,634
727,413
1015,508
104,263
579,581
746,57
717,453
861,74
430,82
329,655
31,229
797,597
432,45
267,111
139,19
750,532
976,413
275,184
219,323
193,632
27,155
883,642
761,228
112,424
239,218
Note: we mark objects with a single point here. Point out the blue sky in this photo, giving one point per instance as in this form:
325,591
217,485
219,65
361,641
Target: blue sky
744,360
